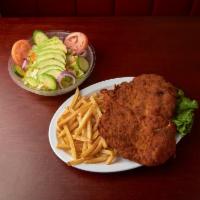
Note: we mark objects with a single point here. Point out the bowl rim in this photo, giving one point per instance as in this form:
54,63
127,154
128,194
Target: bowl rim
17,80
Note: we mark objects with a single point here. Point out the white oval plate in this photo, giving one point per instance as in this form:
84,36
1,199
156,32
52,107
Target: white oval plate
121,164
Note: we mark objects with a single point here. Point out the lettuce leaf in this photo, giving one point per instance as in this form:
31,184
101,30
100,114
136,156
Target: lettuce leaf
184,116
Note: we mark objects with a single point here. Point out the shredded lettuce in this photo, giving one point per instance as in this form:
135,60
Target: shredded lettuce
184,113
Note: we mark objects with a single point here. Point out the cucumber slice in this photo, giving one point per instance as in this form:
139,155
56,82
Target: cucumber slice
83,64
33,83
48,81
39,37
75,67
19,71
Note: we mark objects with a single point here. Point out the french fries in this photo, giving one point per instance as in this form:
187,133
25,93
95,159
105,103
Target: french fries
77,132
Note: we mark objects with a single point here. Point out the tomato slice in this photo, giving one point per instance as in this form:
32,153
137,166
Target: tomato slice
76,41
20,51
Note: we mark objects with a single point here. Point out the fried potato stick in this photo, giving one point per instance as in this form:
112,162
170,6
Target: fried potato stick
71,142
80,110
99,159
75,98
90,149
84,121
75,162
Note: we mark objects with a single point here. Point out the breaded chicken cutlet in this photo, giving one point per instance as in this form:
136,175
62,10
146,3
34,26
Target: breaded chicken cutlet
137,119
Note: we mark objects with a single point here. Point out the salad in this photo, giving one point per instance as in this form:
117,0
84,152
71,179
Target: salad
48,63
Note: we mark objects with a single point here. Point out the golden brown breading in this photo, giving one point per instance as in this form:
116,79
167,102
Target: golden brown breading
137,119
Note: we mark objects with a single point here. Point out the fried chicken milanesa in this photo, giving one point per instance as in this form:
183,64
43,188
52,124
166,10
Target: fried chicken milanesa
137,119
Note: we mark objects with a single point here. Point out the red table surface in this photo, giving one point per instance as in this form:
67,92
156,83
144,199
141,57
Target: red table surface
124,47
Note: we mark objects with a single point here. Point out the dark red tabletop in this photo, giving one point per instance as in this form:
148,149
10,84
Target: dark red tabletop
124,47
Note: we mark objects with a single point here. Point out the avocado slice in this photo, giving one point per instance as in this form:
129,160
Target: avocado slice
55,46
48,62
55,38
48,81
50,56
51,51
49,42
52,46
48,68
54,72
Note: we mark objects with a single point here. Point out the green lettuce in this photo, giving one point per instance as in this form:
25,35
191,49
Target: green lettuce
184,116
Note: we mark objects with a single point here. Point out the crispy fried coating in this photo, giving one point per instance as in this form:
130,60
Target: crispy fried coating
137,119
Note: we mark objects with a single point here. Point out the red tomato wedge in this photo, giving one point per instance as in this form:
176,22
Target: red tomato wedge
20,51
76,41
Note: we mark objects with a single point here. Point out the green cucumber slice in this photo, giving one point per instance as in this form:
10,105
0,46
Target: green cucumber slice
39,37
19,71
83,64
75,67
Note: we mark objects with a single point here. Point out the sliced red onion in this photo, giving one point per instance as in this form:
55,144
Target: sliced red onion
64,74
24,64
